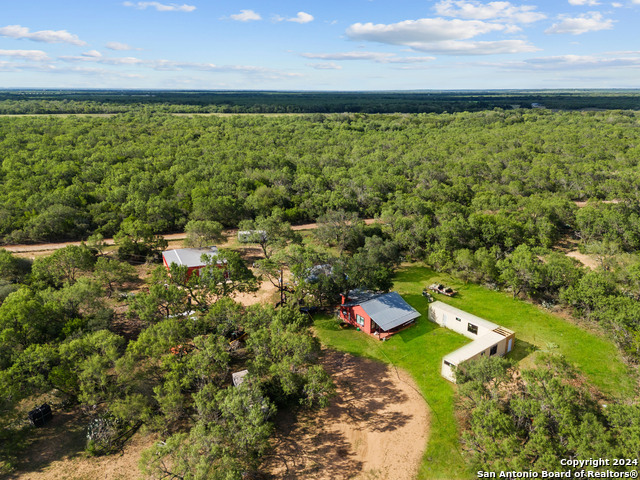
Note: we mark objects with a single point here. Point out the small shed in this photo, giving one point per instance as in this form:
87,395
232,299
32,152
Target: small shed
190,258
378,314
238,377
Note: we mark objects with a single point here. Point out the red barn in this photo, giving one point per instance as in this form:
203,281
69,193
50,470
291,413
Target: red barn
379,314
190,258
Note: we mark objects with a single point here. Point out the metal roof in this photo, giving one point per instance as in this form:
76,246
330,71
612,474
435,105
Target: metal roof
359,296
189,257
389,310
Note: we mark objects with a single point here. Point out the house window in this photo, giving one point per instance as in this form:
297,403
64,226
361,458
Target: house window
449,364
359,320
458,319
472,328
493,350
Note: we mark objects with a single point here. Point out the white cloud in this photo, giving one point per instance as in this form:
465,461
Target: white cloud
587,22
48,68
325,66
92,54
246,16
251,70
378,57
33,55
498,11
439,35
161,7
584,2
420,32
170,65
301,17
574,62
47,36
453,47
118,46
616,5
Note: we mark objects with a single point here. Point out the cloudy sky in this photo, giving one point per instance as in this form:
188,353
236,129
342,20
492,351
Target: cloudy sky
320,45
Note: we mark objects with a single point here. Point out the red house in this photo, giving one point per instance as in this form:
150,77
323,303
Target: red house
379,314
190,258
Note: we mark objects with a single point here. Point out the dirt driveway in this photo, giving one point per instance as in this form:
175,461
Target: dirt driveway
375,428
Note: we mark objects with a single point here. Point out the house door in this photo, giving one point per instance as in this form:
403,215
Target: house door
509,345
444,319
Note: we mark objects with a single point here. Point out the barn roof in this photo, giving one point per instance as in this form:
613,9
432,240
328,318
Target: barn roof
389,310
189,257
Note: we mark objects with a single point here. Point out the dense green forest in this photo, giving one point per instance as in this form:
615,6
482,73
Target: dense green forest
117,101
482,194
489,196
66,178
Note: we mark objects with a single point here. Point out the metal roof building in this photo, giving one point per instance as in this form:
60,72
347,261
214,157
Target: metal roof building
188,257
380,314
389,310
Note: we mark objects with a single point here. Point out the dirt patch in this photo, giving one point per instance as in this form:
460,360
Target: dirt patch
113,467
175,240
582,204
586,260
57,453
375,428
266,294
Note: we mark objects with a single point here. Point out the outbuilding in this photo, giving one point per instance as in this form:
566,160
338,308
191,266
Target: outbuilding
378,314
488,338
190,258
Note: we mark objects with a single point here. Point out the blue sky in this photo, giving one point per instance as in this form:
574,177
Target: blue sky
320,45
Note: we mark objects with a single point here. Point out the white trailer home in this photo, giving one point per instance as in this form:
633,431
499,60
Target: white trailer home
488,338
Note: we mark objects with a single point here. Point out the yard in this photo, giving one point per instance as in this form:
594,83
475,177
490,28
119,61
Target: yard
419,351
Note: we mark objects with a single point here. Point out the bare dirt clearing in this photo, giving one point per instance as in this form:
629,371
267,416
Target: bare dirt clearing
583,258
57,453
569,246
375,428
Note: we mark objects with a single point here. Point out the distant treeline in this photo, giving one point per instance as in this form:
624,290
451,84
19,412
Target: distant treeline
483,195
118,101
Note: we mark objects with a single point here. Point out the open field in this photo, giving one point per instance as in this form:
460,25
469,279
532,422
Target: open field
419,350
536,330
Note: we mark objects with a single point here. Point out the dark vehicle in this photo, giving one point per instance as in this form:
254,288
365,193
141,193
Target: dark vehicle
41,415
439,288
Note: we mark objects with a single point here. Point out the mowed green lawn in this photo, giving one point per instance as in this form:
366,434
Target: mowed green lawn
420,349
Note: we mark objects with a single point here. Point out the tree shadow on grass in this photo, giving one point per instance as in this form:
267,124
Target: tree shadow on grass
63,437
521,350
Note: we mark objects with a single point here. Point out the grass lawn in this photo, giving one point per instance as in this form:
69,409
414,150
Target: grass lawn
419,350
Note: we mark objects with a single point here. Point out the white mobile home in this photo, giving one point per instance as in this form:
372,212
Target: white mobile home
488,338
